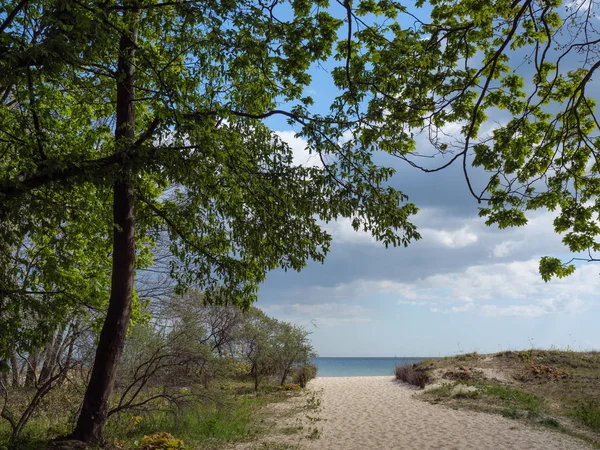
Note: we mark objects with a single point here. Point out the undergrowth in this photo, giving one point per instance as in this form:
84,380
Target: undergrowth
589,414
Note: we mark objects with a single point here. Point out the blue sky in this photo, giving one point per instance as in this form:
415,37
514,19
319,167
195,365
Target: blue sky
464,287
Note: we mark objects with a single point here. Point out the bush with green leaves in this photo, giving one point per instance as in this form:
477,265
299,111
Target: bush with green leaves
273,348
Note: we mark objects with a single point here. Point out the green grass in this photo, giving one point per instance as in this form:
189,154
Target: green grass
198,425
36,434
507,397
550,422
440,392
589,414
28,441
514,397
233,413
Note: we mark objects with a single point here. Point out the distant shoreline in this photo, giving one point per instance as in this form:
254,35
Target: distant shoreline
373,357
340,366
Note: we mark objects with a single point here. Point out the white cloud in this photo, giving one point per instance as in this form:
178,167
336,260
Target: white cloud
462,237
298,145
342,232
499,289
513,310
585,5
504,249
464,308
321,314
568,305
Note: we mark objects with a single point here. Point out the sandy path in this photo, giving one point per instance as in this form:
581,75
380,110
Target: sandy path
379,413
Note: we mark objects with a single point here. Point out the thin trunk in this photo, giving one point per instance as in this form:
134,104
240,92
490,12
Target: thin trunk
23,369
94,412
4,375
32,367
69,358
254,374
284,376
14,367
50,355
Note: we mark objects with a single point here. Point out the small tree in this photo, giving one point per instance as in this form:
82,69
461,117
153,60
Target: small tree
185,345
292,348
256,342
127,119
18,404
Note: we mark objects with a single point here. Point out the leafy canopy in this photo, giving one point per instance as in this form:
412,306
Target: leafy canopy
215,179
512,79
209,174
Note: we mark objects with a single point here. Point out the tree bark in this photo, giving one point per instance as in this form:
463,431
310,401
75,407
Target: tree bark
284,376
4,375
94,412
14,366
32,368
51,353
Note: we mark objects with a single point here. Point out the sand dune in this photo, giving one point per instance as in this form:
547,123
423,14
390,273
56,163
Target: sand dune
379,413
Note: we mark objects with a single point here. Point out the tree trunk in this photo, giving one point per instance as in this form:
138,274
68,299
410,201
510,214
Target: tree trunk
69,358
4,375
14,367
90,425
50,355
32,367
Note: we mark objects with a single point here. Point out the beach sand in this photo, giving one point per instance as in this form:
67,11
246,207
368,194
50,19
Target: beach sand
381,413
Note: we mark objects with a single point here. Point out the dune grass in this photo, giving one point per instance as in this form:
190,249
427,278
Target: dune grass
558,389
588,413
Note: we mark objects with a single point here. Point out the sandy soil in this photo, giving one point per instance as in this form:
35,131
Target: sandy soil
380,413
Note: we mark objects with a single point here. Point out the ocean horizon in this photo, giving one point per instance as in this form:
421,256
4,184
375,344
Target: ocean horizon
331,366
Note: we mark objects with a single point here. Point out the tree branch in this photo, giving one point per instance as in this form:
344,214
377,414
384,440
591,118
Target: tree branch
12,15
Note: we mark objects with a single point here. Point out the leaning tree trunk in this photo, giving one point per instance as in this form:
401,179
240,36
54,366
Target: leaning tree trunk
90,425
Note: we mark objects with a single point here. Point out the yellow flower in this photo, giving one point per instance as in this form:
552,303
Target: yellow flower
136,419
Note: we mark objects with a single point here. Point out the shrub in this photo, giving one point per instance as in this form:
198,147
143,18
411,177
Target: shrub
303,374
589,414
544,371
462,373
241,369
161,441
288,387
550,422
411,375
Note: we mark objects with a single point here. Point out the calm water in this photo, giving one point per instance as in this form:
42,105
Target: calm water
360,367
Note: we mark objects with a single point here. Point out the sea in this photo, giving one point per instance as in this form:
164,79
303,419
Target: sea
360,367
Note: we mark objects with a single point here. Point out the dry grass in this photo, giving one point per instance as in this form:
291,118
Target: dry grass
409,373
558,389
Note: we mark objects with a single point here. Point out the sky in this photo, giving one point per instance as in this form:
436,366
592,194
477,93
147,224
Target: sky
464,287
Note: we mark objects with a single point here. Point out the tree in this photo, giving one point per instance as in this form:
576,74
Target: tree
166,129
292,348
59,357
529,64
257,343
272,347
48,274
